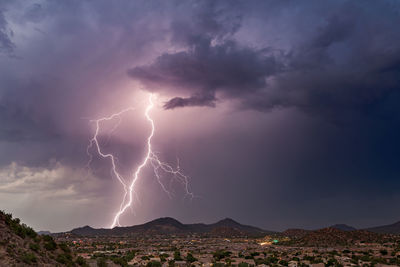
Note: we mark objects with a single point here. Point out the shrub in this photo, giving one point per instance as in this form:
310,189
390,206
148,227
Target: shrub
50,245
81,261
130,255
65,248
34,247
154,264
47,238
190,258
64,259
120,261
177,255
28,258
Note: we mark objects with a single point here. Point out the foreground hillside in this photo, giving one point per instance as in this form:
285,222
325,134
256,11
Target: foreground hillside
20,245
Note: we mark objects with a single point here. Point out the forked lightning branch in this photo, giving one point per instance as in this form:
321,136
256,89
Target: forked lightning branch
150,158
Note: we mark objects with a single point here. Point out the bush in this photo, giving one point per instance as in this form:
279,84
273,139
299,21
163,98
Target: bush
50,245
177,255
64,259
130,255
47,238
28,258
81,261
154,264
220,254
65,248
190,258
120,261
34,247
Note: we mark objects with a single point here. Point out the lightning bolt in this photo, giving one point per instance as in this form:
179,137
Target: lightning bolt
150,158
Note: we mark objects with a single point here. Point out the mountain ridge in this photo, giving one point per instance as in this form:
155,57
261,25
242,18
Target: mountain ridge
169,225
393,228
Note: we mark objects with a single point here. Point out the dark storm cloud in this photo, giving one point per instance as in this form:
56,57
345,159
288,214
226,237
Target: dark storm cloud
6,45
346,61
206,69
302,64
191,101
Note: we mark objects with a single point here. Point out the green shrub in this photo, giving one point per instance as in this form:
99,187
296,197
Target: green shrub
50,245
190,258
34,247
28,258
119,261
47,238
64,259
65,248
130,255
81,261
154,264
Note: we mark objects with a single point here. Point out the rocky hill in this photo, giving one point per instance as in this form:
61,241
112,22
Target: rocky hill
167,225
295,233
333,237
20,245
343,227
386,229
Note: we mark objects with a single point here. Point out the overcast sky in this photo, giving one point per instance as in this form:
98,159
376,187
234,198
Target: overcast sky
283,113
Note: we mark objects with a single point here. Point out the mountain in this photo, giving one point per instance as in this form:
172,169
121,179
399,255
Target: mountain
386,229
167,225
20,245
343,227
44,233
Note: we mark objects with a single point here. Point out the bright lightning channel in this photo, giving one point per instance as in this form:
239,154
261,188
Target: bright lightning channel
150,157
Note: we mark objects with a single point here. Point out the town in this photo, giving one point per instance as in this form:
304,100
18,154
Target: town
195,250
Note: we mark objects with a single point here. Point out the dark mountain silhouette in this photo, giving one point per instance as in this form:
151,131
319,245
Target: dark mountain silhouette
225,227
343,227
167,225
386,229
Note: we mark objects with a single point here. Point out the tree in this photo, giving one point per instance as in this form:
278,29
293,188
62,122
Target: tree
190,258
177,255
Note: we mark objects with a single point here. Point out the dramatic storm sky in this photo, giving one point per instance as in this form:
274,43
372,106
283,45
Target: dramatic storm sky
283,113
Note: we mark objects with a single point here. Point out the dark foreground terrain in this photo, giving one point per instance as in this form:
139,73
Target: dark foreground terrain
167,242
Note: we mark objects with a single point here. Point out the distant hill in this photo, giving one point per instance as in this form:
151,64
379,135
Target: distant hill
167,225
295,233
343,227
386,229
44,233
333,237
20,245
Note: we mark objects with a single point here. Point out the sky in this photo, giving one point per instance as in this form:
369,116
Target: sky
283,113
